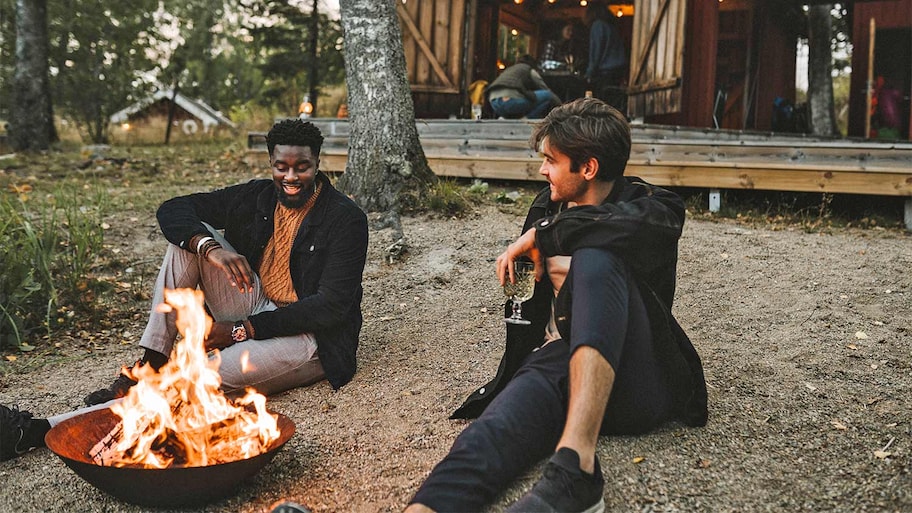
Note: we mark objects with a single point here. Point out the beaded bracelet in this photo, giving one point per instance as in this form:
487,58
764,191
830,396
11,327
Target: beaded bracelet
209,247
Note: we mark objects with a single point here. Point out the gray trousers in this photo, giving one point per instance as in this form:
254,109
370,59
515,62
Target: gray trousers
273,365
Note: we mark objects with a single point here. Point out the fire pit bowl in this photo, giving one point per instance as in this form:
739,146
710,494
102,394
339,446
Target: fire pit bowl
72,439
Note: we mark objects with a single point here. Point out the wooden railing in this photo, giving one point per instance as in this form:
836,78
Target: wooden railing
667,156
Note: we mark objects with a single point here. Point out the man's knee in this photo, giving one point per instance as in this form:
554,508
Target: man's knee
596,262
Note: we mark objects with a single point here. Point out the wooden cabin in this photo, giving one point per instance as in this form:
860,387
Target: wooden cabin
881,64
699,63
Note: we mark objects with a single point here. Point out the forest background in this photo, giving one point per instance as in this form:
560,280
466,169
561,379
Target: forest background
250,59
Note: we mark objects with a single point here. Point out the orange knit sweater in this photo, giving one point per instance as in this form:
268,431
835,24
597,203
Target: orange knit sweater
274,267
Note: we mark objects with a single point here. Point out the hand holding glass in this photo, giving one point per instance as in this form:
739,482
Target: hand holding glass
521,290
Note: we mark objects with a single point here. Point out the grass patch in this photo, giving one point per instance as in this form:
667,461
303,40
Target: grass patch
811,212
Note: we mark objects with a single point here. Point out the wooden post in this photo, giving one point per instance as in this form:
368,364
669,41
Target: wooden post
908,214
872,29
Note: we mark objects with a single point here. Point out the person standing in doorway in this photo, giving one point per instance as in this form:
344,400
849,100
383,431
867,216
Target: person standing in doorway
607,66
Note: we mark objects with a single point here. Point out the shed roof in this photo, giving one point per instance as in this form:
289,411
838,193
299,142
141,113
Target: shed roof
197,108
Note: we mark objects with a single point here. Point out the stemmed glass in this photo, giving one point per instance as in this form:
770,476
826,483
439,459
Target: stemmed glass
521,290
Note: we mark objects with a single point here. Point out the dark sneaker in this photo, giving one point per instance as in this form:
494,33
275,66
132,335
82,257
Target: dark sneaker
288,507
117,390
19,433
564,488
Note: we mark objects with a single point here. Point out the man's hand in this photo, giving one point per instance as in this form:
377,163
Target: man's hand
523,246
234,266
219,336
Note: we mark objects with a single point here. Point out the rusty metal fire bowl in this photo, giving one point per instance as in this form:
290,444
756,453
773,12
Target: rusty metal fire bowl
175,486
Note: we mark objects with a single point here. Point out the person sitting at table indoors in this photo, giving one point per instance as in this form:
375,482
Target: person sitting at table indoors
520,92
561,54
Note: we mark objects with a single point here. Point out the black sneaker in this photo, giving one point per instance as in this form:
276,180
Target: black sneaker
19,433
564,488
117,390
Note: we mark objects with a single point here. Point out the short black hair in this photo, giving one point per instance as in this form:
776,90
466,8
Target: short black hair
295,132
587,128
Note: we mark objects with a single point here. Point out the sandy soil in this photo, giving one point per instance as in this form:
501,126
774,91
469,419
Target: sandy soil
806,341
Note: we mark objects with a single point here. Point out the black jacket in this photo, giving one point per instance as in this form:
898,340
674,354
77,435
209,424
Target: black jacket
327,261
641,224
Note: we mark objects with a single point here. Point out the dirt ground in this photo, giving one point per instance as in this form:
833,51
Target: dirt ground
806,341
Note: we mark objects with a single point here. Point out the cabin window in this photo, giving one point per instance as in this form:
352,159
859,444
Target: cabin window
512,43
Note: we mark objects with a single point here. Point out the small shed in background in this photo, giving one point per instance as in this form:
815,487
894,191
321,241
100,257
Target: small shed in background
147,119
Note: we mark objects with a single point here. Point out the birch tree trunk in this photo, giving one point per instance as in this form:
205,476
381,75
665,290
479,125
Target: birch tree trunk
31,115
386,168
820,67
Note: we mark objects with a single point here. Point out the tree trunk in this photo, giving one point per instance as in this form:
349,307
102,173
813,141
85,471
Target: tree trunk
820,67
172,109
312,75
386,168
31,114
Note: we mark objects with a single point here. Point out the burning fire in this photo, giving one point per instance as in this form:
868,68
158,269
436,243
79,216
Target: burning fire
178,416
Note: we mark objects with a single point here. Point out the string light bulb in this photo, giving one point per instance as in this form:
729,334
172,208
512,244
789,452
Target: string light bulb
583,3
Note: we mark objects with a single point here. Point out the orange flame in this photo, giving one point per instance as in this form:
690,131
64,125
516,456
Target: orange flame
178,416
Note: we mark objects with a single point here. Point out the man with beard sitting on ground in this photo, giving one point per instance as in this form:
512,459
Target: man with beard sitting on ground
283,283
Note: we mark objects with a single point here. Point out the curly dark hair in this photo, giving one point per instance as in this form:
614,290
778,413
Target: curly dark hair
295,132
586,128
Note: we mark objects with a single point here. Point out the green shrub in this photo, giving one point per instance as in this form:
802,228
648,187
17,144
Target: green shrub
446,197
46,253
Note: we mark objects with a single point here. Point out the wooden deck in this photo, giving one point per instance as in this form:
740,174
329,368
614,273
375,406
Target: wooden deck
667,156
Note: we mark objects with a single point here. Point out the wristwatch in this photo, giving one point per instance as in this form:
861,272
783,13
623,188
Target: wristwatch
239,332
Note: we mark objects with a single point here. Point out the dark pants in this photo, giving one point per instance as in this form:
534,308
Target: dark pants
607,86
523,424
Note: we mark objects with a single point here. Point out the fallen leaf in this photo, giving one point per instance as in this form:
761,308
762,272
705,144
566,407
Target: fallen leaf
702,463
724,256
874,366
26,347
860,335
852,346
882,454
105,226
838,425
638,460
810,387
11,358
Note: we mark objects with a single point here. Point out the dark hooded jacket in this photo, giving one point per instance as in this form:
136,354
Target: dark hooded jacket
640,223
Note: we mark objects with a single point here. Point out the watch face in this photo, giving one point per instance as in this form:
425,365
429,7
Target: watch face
239,333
